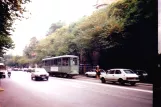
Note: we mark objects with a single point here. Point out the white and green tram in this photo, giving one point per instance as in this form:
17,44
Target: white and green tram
64,66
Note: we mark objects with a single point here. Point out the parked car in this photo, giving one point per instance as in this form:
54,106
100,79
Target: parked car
15,69
39,73
30,70
142,74
3,70
92,73
25,69
120,75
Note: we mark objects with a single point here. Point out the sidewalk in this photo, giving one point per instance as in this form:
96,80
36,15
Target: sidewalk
146,84
1,89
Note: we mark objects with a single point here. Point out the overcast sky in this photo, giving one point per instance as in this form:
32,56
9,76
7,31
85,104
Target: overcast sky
43,14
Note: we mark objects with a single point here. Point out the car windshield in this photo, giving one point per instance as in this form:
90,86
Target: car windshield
40,70
102,70
141,71
129,71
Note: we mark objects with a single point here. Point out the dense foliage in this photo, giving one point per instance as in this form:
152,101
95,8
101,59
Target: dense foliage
124,24
10,10
123,31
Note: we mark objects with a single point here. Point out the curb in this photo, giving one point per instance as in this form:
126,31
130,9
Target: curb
145,84
1,89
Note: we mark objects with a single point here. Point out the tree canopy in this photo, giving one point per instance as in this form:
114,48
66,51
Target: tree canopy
126,25
10,10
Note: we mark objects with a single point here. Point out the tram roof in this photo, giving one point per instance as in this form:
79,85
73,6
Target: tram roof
63,56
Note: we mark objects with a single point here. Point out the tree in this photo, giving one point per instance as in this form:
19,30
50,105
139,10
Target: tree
10,10
29,50
122,31
54,27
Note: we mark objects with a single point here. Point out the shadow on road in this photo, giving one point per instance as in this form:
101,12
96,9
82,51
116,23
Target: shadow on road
117,84
40,80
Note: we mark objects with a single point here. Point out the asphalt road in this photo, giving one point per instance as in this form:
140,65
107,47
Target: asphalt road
21,91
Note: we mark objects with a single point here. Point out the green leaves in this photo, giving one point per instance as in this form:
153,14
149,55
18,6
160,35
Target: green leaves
110,27
5,43
9,11
29,51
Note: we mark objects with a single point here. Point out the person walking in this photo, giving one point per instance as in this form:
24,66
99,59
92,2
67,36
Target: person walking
9,72
97,72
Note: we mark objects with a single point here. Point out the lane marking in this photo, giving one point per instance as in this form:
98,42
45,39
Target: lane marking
106,85
148,91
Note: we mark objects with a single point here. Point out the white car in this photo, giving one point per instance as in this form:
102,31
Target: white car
39,73
92,73
25,69
120,75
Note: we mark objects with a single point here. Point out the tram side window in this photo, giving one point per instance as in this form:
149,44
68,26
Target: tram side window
57,62
48,63
65,62
74,61
45,63
52,62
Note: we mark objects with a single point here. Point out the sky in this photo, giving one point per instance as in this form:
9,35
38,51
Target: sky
43,14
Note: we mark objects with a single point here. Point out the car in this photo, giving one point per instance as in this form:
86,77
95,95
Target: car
39,73
25,69
15,69
142,74
92,73
3,70
30,69
120,75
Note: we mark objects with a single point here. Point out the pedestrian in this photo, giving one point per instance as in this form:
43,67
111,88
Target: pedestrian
97,72
9,73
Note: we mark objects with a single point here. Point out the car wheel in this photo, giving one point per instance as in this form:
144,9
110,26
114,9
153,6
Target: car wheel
31,78
103,80
132,83
87,75
47,78
121,81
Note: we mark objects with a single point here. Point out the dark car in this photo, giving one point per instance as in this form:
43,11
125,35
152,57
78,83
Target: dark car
142,74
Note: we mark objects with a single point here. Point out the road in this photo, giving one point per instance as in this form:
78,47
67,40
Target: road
21,91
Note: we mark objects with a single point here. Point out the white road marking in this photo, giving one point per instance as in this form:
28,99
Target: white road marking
100,84
148,91
106,85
